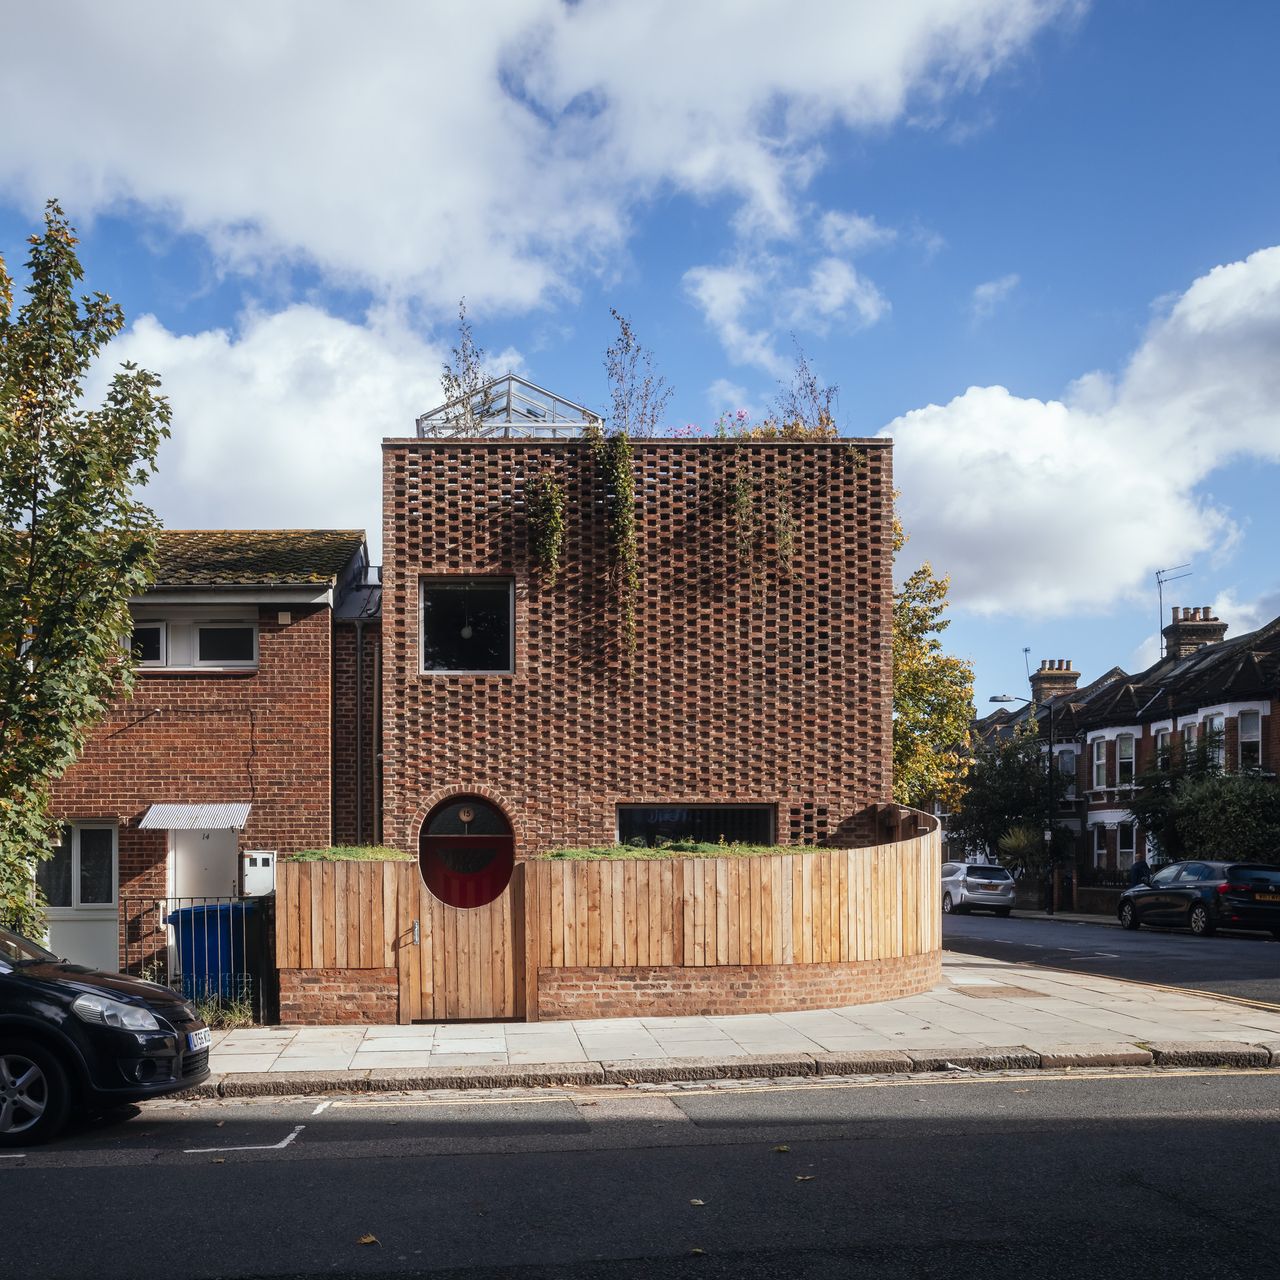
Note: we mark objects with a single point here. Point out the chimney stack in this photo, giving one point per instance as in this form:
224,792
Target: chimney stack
1056,676
1191,629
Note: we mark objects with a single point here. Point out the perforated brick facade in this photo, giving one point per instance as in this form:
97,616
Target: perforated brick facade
757,677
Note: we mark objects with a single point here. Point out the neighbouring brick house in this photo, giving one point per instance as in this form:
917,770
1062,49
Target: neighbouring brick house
1109,733
241,733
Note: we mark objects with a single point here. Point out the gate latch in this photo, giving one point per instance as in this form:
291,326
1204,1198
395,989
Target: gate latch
417,933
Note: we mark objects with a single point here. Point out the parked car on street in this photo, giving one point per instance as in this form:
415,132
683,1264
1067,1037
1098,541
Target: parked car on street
1206,896
970,885
73,1037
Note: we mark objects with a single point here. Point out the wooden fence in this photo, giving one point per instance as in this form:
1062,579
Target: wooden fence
826,906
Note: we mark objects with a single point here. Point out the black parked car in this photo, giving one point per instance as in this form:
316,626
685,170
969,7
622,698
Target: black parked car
1205,896
75,1037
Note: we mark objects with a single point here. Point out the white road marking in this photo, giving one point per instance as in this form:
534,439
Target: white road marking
22,1155
321,1107
273,1146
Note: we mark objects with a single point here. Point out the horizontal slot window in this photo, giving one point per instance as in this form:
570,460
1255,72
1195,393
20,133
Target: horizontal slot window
709,824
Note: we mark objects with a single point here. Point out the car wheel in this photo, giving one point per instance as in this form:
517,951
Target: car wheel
1198,920
1128,916
35,1095
947,905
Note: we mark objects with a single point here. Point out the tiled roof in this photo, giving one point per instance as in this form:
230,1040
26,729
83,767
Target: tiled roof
253,557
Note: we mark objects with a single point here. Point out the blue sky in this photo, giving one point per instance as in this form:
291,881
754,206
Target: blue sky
1034,240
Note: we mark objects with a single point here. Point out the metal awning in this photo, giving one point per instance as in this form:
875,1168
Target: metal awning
196,817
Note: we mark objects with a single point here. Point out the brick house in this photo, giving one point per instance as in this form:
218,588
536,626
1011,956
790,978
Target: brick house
757,702
1106,735
245,731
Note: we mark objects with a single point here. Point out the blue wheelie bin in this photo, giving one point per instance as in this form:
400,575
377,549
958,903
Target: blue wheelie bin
217,945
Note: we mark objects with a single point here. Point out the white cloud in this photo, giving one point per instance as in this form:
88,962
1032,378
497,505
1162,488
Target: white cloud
1041,507
279,424
990,294
425,151
725,295
834,286
852,232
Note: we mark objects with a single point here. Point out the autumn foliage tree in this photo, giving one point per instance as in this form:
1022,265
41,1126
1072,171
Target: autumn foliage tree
932,692
75,542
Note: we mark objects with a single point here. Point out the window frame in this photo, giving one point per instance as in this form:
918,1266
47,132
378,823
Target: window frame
74,830
1098,763
223,664
145,625
1124,829
1216,725
1254,739
1100,850
1122,740
770,810
435,580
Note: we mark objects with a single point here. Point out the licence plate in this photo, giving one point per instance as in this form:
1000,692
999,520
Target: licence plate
201,1039
990,888
1266,897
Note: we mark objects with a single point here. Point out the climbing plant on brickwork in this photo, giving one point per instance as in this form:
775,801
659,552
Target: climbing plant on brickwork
75,543
544,506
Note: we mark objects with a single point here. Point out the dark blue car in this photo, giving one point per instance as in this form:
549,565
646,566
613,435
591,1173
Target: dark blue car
1206,896
72,1037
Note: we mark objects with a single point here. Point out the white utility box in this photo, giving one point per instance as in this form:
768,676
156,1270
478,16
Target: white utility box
257,872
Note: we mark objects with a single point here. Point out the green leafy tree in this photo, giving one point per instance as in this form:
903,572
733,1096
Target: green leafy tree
1194,809
932,693
1004,799
74,541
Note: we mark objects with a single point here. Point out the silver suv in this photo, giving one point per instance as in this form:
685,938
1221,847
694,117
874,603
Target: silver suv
966,885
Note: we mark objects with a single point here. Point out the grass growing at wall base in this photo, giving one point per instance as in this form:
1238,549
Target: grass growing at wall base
353,853
676,849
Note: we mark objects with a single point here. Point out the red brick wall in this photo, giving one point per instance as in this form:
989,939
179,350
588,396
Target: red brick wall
353,770
261,736
776,691
329,997
727,989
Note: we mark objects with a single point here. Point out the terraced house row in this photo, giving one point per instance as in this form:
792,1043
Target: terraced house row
1207,689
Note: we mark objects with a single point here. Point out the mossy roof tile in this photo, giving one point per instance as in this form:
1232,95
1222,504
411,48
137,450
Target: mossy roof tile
271,557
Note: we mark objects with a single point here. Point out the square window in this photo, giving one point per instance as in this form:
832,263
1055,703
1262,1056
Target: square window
468,625
227,645
147,644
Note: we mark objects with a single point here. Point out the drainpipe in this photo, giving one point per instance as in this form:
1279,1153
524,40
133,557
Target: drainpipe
359,730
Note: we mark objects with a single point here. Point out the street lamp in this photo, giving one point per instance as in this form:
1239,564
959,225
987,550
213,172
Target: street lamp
1048,831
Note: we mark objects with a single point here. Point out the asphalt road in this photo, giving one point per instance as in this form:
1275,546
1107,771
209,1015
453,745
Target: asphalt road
1243,965
1083,1175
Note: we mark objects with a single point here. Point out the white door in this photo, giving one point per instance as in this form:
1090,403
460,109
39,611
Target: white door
79,884
205,864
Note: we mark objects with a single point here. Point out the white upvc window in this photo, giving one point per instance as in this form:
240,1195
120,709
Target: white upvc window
1188,741
226,644
1099,763
1124,760
1124,846
149,644
1249,734
1164,745
1099,846
81,874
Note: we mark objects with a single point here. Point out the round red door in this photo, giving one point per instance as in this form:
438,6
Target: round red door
466,851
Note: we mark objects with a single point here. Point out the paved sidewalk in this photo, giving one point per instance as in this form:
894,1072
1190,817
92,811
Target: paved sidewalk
985,1013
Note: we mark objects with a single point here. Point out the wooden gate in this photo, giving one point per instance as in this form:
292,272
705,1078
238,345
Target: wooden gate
459,963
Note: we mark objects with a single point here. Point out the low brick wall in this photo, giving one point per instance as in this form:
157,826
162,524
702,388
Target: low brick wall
725,989
330,997
1097,901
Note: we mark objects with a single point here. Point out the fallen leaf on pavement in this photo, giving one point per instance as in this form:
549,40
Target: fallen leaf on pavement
784,1148
699,1203
218,1160
368,1238
805,1177
698,1251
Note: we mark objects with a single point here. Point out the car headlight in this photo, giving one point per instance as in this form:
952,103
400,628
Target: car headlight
105,1012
